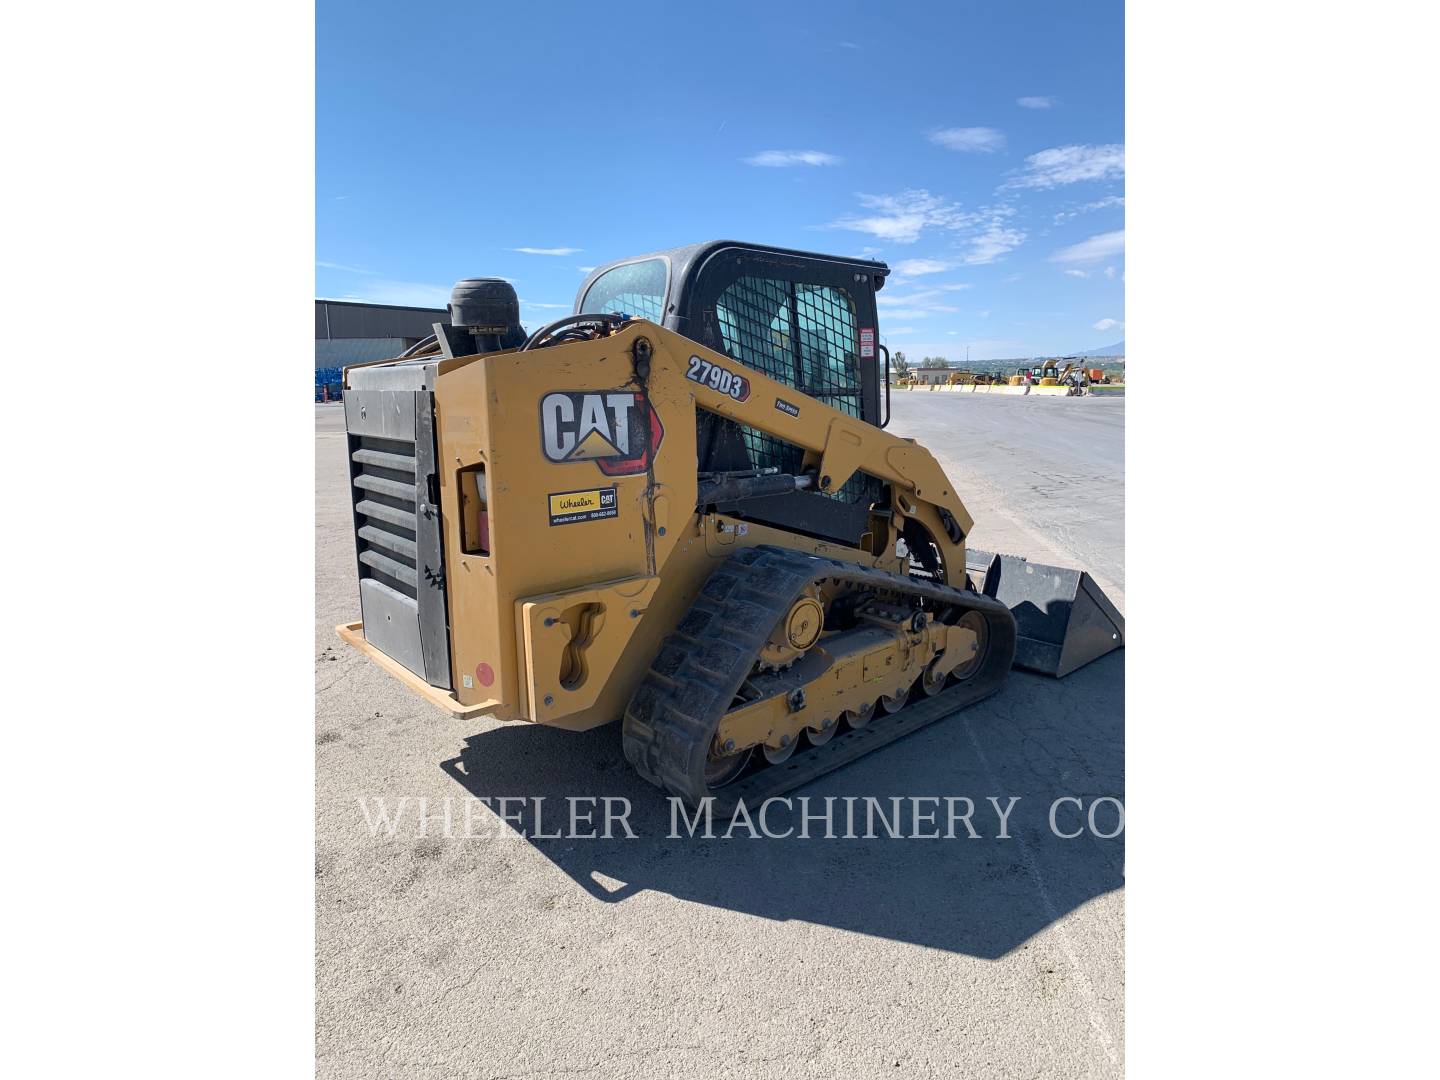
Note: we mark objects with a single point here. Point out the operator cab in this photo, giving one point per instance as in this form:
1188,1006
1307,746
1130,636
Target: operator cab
803,319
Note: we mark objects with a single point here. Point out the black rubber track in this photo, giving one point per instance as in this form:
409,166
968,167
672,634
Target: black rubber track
692,683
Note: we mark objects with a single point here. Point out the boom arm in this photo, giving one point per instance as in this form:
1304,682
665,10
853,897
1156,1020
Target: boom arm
836,444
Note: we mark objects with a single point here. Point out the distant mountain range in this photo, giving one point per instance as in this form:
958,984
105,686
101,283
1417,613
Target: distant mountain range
1118,349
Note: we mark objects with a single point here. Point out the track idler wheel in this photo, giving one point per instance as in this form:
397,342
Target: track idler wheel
820,736
895,702
933,680
973,620
778,755
858,718
721,769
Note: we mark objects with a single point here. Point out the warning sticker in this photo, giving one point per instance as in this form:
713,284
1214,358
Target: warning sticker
568,507
867,342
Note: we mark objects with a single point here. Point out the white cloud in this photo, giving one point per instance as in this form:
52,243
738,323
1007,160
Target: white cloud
1100,204
904,217
919,313
848,45
1078,273
585,269
342,266
1107,324
537,304
404,293
924,296
916,267
1110,272
901,218
975,140
1071,164
994,241
1094,249
1035,102
780,159
914,305
548,251
955,288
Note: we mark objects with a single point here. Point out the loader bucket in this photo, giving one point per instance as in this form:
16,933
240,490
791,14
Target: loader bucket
1063,619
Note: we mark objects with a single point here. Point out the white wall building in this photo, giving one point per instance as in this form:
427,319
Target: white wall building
931,376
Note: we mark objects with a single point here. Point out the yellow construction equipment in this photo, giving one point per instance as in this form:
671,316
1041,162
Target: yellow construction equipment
1051,376
678,507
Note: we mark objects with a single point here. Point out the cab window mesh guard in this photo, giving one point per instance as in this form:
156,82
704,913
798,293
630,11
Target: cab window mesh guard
804,336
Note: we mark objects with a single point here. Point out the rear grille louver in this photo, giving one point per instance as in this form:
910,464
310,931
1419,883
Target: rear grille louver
385,512
395,492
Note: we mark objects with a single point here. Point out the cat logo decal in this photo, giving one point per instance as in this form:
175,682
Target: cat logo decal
616,429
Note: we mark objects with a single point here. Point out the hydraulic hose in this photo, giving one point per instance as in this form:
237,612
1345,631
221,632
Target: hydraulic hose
534,340
418,347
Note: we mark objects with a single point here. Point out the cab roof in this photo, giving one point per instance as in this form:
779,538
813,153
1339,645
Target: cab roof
685,260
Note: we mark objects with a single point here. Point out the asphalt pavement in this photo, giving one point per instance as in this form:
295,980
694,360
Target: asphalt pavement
1043,477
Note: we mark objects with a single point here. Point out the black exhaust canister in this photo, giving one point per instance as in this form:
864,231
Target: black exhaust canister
484,318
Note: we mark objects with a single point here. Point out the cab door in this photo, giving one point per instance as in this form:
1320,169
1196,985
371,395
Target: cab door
810,323
806,322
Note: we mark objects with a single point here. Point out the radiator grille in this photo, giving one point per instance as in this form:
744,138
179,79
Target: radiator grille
385,512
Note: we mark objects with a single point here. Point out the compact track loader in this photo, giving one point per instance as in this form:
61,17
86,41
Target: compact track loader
678,507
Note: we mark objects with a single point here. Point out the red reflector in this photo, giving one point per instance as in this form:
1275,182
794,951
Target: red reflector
484,674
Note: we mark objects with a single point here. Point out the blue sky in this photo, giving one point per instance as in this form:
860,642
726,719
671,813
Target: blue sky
978,148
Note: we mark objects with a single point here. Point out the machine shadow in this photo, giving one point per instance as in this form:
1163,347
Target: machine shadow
1040,739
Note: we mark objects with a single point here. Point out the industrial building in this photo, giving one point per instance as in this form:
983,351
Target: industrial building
352,332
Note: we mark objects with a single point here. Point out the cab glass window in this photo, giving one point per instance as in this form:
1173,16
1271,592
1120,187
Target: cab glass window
636,289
